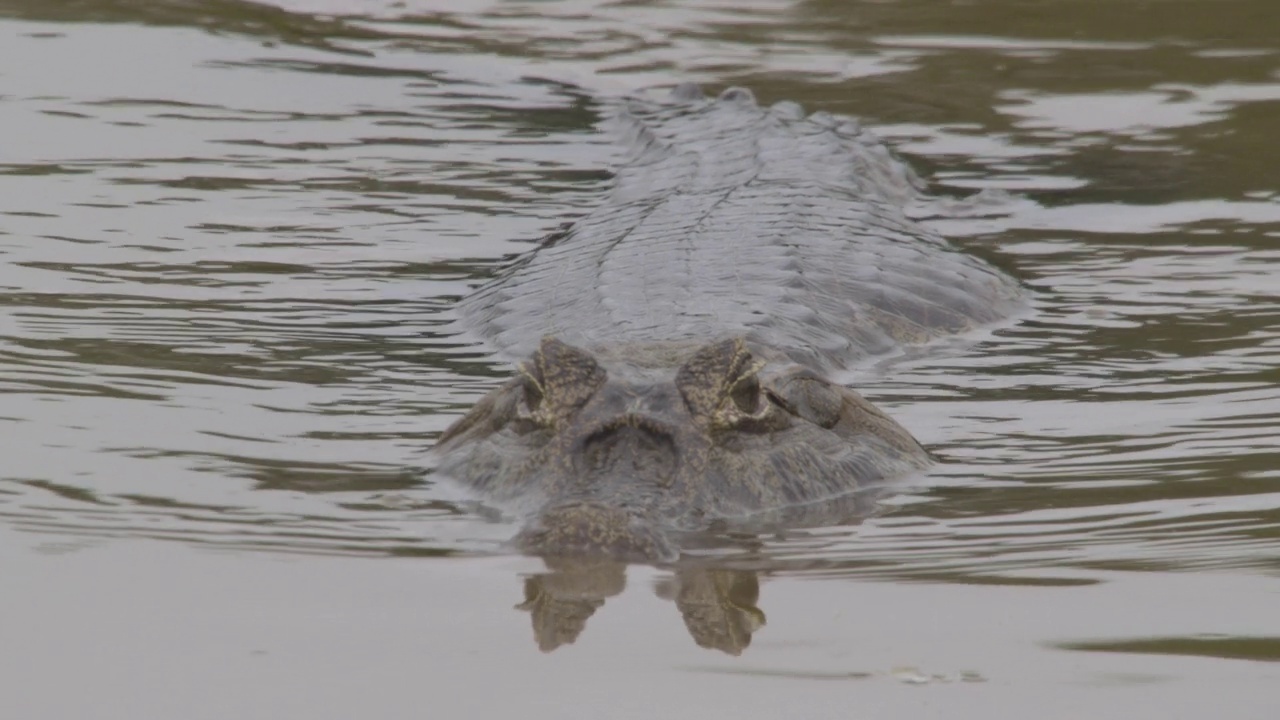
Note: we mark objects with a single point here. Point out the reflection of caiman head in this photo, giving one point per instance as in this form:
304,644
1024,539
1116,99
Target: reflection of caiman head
613,454
718,606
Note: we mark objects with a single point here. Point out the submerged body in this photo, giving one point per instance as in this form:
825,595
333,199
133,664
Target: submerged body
679,337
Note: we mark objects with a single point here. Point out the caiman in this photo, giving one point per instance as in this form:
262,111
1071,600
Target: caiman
679,341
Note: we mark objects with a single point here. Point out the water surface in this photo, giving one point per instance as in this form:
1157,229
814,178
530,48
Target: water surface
231,232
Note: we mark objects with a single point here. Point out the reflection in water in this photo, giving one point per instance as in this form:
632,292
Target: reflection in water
718,605
222,278
1265,649
561,601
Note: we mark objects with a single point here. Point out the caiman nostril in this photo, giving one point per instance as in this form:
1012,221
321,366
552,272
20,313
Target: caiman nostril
631,444
630,421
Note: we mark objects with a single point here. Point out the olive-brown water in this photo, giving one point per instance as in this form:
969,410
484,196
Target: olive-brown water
230,233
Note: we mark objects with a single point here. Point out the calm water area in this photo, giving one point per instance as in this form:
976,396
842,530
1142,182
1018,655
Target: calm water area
230,235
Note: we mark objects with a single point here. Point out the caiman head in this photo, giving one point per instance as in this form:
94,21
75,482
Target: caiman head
614,456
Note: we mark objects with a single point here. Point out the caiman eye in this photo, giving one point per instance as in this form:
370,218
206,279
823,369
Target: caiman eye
555,382
746,394
532,395
528,416
720,384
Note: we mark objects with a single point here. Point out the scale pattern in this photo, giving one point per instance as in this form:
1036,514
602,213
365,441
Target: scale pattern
727,219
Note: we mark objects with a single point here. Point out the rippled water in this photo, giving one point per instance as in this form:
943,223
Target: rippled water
230,233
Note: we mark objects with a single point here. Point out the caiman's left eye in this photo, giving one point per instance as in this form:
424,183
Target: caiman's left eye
746,394
532,394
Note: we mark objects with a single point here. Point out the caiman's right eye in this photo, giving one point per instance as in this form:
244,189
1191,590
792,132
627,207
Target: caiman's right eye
532,394
527,413
745,394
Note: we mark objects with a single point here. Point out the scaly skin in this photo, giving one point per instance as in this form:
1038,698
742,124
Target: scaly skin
743,254
614,458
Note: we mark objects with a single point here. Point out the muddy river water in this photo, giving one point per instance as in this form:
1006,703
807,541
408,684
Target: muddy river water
231,232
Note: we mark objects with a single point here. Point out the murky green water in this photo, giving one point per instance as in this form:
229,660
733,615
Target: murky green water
229,234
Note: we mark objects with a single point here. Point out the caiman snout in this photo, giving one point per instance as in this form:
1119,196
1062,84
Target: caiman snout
636,446
615,461
588,528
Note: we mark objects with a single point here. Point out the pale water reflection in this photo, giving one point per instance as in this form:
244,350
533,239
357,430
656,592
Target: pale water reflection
718,605
230,233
